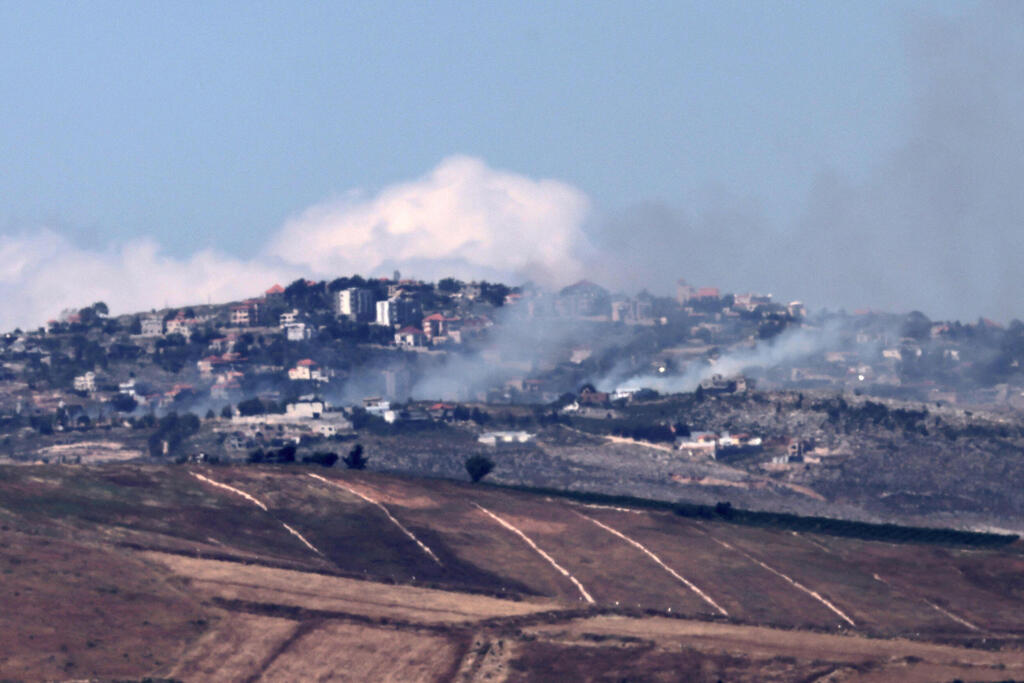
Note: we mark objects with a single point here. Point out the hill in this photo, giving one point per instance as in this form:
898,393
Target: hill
273,573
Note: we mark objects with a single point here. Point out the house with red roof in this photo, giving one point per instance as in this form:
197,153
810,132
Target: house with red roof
307,369
410,337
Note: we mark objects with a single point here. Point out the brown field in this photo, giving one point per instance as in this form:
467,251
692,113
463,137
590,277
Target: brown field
337,651
126,571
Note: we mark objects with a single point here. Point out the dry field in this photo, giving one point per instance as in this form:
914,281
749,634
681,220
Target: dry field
260,573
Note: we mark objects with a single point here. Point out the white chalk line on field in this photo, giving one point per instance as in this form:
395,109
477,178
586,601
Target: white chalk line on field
258,503
562,570
301,538
940,610
610,507
814,594
407,532
243,494
689,584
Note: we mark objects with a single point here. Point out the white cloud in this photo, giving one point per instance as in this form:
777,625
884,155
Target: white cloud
43,273
462,218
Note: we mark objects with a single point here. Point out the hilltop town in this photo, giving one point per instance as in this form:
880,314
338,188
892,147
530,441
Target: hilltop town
704,396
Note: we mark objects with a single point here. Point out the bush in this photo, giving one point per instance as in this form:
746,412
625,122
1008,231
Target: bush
478,467
355,460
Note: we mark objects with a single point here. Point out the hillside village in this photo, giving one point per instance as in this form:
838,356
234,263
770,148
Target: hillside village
313,363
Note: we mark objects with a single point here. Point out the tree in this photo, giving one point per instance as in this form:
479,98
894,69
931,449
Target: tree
478,467
286,453
100,308
449,285
355,460
917,326
123,403
252,406
226,412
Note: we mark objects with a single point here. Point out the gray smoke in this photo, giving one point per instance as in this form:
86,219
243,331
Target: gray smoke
938,226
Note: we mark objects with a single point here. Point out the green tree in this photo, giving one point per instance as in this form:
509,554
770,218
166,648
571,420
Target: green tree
123,403
355,460
478,467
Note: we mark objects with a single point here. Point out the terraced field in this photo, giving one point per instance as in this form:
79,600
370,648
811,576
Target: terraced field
295,573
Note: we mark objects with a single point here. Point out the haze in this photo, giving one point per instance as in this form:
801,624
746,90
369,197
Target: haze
850,155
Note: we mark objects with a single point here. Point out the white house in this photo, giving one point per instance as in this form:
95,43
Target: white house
494,438
297,332
86,382
307,369
410,337
152,327
306,408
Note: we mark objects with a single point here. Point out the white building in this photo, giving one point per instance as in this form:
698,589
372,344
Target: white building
494,438
306,408
297,332
376,406
307,369
394,312
86,382
152,327
354,303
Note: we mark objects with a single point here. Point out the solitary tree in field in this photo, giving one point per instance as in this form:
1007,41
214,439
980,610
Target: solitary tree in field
355,460
478,467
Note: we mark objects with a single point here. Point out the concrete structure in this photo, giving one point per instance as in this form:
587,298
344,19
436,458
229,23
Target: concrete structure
355,303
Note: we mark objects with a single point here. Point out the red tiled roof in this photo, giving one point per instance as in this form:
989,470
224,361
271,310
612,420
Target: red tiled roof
306,361
276,289
410,330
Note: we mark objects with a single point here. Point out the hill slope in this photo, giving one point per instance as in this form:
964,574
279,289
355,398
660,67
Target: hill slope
269,573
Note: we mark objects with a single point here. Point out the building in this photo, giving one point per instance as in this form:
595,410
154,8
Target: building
241,315
274,295
435,325
583,299
494,438
127,388
410,337
307,370
86,382
376,406
180,325
152,327
307,408
355,303
398,312
295,332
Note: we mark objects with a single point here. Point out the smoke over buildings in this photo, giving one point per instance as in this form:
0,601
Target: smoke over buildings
937,225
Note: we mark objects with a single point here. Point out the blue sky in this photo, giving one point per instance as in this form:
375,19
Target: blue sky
210,125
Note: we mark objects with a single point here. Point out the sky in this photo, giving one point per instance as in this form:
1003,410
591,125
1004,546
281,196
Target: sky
849,154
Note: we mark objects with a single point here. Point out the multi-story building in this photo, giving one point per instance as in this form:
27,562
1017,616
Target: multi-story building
354,303
398,312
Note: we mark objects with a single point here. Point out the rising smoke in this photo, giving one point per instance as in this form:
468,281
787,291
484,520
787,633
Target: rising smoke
936,227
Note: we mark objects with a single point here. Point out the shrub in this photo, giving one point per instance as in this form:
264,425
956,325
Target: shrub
478,467
355,460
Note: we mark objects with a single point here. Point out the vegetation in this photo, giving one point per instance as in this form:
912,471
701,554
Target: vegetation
355,459
478,467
